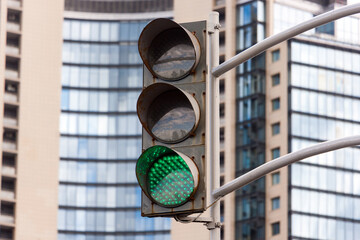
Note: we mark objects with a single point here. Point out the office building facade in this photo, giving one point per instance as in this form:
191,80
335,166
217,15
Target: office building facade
100,141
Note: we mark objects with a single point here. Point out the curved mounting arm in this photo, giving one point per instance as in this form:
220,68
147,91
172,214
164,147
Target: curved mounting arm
282,36
284,161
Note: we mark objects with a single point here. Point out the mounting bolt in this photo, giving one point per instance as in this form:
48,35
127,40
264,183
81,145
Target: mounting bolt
213,225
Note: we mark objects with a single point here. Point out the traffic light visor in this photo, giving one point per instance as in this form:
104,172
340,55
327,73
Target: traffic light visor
168,50
167,177
168,113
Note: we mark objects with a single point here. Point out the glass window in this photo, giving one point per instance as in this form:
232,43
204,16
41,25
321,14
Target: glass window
104,54
275,55
275,178
85,31
94,53
114,55
65,99
275,228
104,31
124,53
275,153
328,28
247,36
114,31
100,221
245,15
95,31
260,32
84,53
66,29
275,104
75,30
61,219
260,11
134,33
275,203
70,220
275,128
124,31
275,79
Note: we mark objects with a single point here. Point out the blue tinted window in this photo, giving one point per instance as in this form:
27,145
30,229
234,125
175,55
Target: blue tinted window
275,103
275,55
275,79
275,128
65,99
275,153
275,203
275,178
247,14
328,28
275,228
124,31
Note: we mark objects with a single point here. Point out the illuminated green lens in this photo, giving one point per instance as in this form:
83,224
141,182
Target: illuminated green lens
170,181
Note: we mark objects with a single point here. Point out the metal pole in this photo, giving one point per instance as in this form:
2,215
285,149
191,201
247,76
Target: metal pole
213,96
284,161
289,33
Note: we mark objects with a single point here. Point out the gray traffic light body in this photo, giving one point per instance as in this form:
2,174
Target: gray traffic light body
194,145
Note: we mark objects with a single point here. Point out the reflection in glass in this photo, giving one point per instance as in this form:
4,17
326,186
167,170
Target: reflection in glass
171,54
82,100
171,116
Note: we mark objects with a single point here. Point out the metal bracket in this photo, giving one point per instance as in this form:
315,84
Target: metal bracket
213,225
187,219
212,28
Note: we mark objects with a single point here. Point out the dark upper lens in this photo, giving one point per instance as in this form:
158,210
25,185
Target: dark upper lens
171,116
171,54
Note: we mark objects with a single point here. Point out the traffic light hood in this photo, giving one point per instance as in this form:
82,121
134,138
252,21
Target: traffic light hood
168,50
168,113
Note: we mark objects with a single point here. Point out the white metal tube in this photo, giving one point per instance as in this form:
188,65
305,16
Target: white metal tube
282,36
213,96
284,161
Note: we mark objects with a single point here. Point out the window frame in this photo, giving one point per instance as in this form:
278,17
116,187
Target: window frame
275,228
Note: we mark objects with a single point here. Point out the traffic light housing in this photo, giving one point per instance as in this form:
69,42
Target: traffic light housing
171,109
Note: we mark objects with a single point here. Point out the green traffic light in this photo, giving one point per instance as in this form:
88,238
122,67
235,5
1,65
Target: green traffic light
165,176
170,181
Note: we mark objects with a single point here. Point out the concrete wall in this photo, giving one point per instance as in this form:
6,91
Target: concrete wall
39,111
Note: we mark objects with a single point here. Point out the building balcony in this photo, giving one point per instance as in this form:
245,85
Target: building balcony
222,50
11,74
13,50
222,145
222,122
219,3
222,97
10,97
7,195
10,122
8,170
7,219
9,146
13,26
14,4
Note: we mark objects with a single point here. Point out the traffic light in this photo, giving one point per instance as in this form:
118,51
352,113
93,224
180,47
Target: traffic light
171,109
